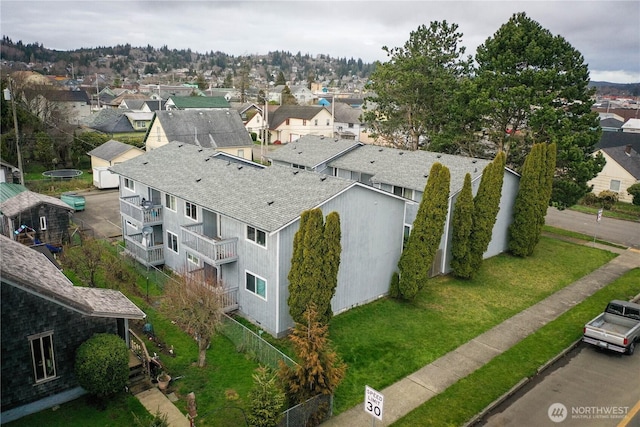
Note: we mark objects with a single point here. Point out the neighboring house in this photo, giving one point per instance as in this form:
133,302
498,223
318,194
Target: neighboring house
51,104
289,122
217,128
621,171
110,121
631,126
127,97
139,120
8,172
196,103
33,218
403,173
185,207
153,105
108,154
9,190
303,95
619,139
45,318
132,104
346,121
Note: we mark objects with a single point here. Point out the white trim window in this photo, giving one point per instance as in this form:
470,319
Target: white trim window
170,202
193,259
191,211
42,357
257,236
256,284
172,241
43,223
614,185
129,184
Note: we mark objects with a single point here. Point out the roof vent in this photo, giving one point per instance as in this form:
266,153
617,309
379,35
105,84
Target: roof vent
401,153
239,167
270,203
475,170
439,155
198,179
321,137
380,150
372,161
299,152
323,178
180,145
474,161
426,175
207,159
295,172
200,150
145,163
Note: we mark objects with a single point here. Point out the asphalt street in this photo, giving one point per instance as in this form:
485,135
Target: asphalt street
589,388
626,233
102,213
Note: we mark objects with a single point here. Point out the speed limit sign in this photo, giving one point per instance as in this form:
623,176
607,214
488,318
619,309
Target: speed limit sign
373,401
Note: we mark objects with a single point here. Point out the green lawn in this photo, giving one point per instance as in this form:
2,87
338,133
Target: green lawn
620,210
386,340
463,400
82,412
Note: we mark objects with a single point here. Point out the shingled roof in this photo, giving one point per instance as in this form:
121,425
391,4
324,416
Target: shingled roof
312,150
185,102
215,128
266,198
284,112
28,199
111,150
31,271
408,169
627,158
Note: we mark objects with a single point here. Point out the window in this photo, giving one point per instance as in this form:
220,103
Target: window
193,259
191,210
43,223
257,285
170,201
350,125
44,364
315,122
304,122
240,153
407,193
615,185
172,241
258,236
128,183
287,122
297,166
405,237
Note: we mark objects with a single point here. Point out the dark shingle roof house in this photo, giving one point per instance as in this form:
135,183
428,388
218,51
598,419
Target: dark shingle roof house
284,112
109,120
26,200
627,158
110,150
215,128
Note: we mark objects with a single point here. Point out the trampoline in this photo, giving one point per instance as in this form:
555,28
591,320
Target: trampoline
63,173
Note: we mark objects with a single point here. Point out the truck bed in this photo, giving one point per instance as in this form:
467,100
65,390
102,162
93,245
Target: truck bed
608,326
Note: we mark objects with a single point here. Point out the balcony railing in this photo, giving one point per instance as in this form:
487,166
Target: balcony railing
147,255
216,251
131,206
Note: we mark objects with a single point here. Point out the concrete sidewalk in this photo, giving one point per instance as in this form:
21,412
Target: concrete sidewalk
414,390
156,401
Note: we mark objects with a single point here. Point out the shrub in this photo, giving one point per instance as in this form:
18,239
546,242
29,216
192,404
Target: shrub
102,365
254,136
591,199
608,199
634,190
394,288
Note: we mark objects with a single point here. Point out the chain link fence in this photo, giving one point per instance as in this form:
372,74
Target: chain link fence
311,413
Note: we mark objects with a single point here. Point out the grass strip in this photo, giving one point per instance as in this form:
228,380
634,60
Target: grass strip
472,394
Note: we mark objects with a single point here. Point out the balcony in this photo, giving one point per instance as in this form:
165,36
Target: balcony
214,251
131,207
147,255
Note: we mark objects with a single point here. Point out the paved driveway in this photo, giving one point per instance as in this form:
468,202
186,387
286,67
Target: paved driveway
102,213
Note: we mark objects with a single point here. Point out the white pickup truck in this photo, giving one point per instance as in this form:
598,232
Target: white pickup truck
617,329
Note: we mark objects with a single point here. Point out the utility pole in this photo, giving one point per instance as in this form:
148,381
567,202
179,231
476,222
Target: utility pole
15,127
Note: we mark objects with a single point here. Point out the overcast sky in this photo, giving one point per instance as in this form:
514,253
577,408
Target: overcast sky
607,33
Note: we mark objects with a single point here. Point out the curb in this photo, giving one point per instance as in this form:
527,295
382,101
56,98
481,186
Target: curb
476,418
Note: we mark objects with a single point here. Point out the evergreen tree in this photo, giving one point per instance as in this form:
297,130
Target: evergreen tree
297,300
486,205
428,227
333,249
532,201
462,226
280,80
266,400
320,369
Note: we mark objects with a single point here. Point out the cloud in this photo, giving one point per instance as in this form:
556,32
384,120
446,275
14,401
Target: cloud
606,33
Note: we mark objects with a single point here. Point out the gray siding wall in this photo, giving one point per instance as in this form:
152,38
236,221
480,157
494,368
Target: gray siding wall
372,226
